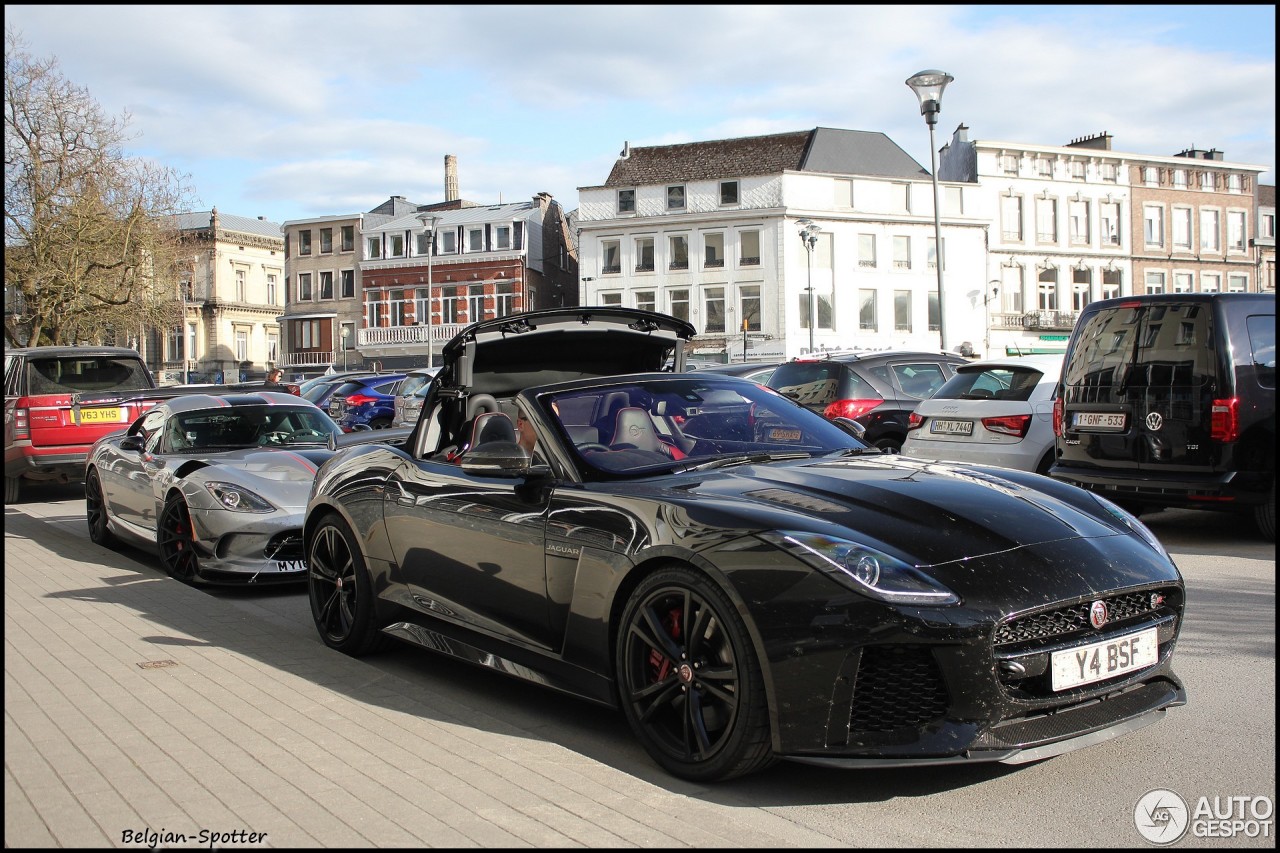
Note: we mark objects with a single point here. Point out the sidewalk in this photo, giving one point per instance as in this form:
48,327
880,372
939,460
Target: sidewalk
142,712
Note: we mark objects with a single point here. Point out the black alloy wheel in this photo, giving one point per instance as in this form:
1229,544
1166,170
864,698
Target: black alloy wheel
95,508
689,681
176,539
340,590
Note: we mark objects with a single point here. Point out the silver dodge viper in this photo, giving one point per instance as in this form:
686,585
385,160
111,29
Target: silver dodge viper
218,483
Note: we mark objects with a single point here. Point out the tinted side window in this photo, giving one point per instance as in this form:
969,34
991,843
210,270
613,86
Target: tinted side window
1000,383
919,380
818,384
1103,349
347,388
386,387
1262,343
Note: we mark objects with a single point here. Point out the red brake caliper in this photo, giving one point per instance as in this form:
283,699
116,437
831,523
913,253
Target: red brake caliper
659,663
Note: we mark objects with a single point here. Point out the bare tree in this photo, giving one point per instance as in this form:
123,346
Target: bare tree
92,251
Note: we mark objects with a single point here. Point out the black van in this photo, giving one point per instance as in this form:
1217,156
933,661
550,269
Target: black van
1169,400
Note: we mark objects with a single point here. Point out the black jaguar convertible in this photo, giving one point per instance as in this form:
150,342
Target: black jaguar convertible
745,579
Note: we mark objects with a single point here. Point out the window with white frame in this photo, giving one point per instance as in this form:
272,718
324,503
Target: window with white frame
1081,286
1047,289
242,344
1153,225
399,309
1044,167
713,250
326,285
1237,282
900,198
1077,170
647,300
1267,226
610,256
612,299
421,306
1235,230
304,242
273,348
326,241
1151,176
1009,164
1206,181
191,340
1111,283
1046,220
240,285
348,284
1011,285
422,243
1155,281
373,247
1108,172
475,239
304,287
1109,222
1234,184
1180,224
1210,282
504,299
867,310
934,315
475,302
901,252
678,247
1078,222
867,251
348,238
1210,233
675,197
502,237
1182,282
953,201
449,302
1180,179
1011,218
627,201
678,303
374,310
844,192
749,248
644,254
749,307
713,310
174,344
728,193
902,310
448,242
271,289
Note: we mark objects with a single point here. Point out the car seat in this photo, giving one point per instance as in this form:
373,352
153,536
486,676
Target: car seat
634,428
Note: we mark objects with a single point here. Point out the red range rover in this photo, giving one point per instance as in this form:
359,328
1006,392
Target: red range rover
48,430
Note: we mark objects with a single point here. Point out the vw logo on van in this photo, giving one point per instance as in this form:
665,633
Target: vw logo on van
1154,421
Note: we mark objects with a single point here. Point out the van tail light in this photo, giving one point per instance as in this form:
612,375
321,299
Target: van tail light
1224,422
360,400
1059,418
914,421
1008,424
21,425
851,409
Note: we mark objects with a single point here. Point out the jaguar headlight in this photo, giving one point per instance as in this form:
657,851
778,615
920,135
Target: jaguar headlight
865,569
1129,520
237,498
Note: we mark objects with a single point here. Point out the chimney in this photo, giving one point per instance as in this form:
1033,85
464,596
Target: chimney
1100,141
450,177
626,151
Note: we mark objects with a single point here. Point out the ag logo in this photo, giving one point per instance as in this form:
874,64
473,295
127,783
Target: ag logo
1161,816
1154,421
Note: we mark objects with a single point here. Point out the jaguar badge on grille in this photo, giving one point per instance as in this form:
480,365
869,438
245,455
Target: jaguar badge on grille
1098,614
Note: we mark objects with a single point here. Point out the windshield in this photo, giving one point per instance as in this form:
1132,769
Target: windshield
84,373
688,421
249,426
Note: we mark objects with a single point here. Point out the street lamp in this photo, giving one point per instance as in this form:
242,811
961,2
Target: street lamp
986,317
809,232
346,332
928,86
429,221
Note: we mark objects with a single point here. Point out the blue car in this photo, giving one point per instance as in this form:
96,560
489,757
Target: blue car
367,400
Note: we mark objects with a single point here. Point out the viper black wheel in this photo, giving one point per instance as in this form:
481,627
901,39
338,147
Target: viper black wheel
340,590
95,509
689,680
176,540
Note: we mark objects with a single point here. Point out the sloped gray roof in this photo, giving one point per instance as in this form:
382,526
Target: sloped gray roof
823,149
463,216
199,220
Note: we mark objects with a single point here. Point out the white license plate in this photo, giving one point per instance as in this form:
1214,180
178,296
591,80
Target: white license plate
946,427
1100,661
1113,421
335,408
290,565
101,416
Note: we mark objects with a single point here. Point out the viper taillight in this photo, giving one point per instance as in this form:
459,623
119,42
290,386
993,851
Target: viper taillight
850,409
21,425
1224,420
1016,425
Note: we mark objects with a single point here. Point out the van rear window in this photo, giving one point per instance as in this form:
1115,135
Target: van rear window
1165,345
75,374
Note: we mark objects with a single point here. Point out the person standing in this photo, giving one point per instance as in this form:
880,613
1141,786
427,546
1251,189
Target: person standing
275,377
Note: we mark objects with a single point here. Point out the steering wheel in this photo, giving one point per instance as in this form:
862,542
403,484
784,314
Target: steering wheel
274,437
306,433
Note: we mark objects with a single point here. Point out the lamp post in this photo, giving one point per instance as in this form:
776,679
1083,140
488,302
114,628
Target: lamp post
928,86
345,333
986,317
809,232
429,221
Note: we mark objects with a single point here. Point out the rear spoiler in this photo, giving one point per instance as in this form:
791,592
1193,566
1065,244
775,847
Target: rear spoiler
391,435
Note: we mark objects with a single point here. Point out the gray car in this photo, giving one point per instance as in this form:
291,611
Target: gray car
218,483
410,393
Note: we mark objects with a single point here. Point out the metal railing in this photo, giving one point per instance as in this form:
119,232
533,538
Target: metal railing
421,334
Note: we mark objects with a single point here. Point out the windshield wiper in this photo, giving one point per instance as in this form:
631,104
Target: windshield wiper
743,459
855,451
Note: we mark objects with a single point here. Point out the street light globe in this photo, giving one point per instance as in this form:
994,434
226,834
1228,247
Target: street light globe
928,86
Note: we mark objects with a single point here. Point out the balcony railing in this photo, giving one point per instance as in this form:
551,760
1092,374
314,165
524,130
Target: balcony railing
311,358
437,333
1051,319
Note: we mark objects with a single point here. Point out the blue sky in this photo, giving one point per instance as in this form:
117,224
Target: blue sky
290,112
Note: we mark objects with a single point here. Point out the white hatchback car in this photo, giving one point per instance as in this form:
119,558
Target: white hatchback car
993,412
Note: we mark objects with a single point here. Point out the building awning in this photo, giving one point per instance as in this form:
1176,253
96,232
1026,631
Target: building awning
283,318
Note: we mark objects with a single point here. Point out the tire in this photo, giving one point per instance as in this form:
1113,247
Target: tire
12,488
889,444
176,541
1264,516
340,590
1046,462
95,509
695,699
380,423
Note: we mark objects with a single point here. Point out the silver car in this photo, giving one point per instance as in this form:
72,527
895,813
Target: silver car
993,412
410,393
218,483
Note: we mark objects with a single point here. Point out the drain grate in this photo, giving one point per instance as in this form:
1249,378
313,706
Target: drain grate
157,664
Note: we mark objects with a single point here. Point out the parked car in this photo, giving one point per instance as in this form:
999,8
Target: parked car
326,378
1170,400
201,478
994,412
48,433
321,388
410,394
745,587
757,371
366,400
879,390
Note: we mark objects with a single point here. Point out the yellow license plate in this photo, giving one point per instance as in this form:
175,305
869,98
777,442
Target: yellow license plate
101,416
